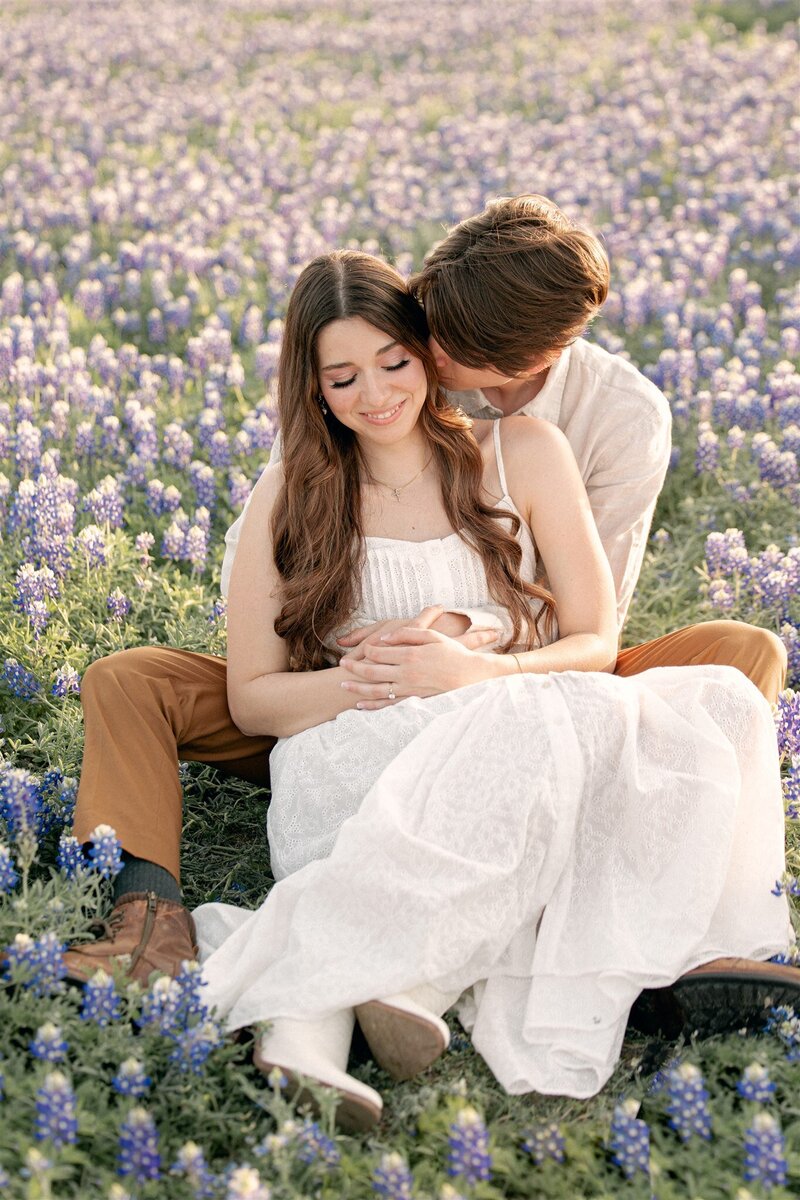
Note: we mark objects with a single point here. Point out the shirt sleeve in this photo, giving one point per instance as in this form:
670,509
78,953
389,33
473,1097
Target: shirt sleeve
623,489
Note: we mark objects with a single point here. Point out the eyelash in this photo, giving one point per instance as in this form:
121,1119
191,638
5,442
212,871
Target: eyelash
346,382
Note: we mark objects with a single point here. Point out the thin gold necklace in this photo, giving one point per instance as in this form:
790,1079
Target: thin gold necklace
401,487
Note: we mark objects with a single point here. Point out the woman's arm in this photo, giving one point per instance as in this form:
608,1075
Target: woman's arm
547,488
263,696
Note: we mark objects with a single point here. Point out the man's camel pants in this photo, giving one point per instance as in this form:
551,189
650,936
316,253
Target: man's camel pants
148,708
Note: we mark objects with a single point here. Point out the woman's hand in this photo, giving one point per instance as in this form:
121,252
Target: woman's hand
418,662
452,625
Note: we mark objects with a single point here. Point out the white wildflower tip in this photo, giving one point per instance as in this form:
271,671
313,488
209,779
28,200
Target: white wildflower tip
102,831
630,1107
764,1123
468,1118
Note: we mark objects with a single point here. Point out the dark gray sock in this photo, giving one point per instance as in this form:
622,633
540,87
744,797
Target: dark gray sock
140,875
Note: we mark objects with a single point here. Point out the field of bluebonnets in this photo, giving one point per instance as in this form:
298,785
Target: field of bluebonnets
165,170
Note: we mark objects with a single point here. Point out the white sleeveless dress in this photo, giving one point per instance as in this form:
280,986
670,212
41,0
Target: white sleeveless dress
558,841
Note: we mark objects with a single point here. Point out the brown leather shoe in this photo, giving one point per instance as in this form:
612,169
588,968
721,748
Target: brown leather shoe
143,933
718,997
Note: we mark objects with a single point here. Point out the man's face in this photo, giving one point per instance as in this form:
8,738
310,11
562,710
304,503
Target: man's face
458,378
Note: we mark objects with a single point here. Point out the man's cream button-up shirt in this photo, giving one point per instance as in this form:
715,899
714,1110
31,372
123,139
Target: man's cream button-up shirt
618,424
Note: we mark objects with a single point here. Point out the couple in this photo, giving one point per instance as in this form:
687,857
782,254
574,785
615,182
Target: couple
493,808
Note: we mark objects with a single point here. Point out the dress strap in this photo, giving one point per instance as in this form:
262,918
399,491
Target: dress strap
499,457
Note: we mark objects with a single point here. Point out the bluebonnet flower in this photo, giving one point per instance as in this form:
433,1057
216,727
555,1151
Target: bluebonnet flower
204,483
144,543
787,721
105,855
720,594
392,1179
48,1043
130,1079
785,1025
101,1002
630,1140
468,1155
314,1145
191,1163
688,1102
219,450
106,503
67,682
139,1155
161,1005
756,1084
19,681
707,453
56,1120
765,1154
218,611
195,547
20,800
194,1043
37,964
546,1141
245,1183
172,541
92,545
8,874
178,446
118,605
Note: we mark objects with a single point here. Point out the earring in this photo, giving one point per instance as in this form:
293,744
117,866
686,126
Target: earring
322,404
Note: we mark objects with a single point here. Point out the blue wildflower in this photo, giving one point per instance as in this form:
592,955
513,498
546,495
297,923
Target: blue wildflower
314,1146
20,801
755,1084
630,1140
37,965
191,1163
138,1147
70,858
118,605
785,1025
20,682
67,682
105,855
468,1156
55,1111
765,1154
688,1102
244,1183
130,1079
547,1141
392,1179
8,874
48,1043
101,1002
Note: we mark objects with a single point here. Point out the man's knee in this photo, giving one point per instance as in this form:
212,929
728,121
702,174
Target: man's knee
122,667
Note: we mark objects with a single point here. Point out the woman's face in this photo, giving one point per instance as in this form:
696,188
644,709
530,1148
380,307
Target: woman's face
370,382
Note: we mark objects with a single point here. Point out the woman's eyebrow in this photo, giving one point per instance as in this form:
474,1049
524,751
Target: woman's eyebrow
383,350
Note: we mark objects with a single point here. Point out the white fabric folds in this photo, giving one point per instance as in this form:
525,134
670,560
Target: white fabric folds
561,841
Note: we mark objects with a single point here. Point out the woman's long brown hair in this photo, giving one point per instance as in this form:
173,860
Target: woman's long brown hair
317,533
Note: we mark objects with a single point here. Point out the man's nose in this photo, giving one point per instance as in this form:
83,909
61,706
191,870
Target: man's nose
439,356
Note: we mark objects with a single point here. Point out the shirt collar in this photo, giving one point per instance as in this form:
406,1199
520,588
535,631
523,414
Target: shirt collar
547,404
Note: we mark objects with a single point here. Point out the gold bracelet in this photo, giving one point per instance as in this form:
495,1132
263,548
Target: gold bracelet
516,660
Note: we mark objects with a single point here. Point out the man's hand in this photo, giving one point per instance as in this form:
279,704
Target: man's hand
452,625
417,662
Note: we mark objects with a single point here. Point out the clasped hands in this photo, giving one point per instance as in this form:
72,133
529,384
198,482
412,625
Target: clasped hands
431,653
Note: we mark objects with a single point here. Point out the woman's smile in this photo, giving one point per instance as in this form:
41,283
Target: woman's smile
386,416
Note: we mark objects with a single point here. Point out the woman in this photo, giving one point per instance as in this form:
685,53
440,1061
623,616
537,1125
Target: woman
512,818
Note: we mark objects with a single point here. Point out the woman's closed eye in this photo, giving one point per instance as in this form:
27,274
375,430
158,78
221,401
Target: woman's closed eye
343,383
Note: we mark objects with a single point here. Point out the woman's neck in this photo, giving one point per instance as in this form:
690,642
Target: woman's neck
398,463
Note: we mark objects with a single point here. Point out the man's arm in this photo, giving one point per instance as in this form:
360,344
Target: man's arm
623,489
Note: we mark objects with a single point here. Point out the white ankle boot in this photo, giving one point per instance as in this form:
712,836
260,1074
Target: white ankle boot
319,1049
405,1032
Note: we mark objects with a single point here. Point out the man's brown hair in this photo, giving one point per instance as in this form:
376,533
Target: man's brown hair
516,282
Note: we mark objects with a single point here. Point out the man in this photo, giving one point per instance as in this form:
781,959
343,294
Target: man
507,294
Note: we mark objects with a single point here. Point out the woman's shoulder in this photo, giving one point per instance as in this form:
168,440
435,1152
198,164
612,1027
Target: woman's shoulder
531,440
